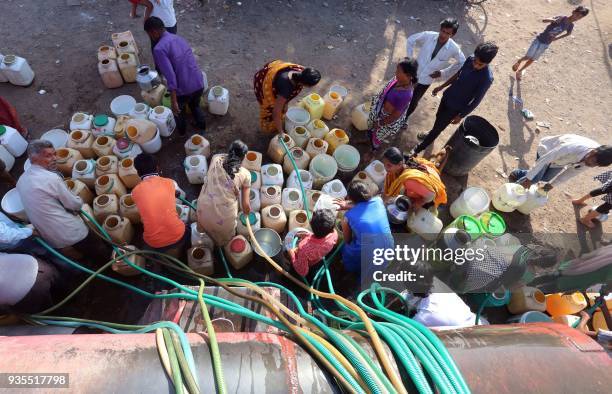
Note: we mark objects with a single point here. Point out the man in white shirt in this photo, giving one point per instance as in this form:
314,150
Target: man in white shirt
49,204
561,157
437,50
163,9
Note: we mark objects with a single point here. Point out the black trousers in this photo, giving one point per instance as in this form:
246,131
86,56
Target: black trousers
417,94
193,101
444,116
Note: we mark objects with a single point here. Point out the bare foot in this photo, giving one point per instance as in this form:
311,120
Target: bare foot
519,75
578,203
587,222
515,66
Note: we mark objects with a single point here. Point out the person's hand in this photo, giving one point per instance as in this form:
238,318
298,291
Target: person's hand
342,204
526,183
175,108
435,74
579,202
456,119
435,91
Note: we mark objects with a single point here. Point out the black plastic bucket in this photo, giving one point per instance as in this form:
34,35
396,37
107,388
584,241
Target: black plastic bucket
472,141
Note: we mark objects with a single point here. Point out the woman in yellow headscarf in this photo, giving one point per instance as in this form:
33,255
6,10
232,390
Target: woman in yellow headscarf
417,179
275,85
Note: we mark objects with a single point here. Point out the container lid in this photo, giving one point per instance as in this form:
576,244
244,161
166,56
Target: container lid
252,218
237,245
469,224
253,177
493,223
2,129
123,143
100,120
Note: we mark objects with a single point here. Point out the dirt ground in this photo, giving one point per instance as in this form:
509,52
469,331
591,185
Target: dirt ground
355,43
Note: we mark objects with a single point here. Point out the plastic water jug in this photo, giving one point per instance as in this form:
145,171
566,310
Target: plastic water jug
335,138
218,100
120,124
66,157
362,176
153,145
103,125
341,90
316,146
7,158
110,184
126,148
200,238
252,161
425,224
473,201
347,157
127,47
326,201
200,260
128,174
537,197
140,130
128,209
107,165
276,151
127,67
12,205
164,120
299,219
85,171
154,97
123,268
254,200
195,169
254,218
305,176
197,145
559,304
291,200
106,52
183,212
12,141
314,104
272,174
103,146
332,103
79,189
300,136
526,299
255,179
376,171
274,217
117,38
110,74
323,169
296,116
334,188
238,252
105,205
81,121
312,197
509,197
270,195
82,141
301,159
359,116
193,213
317,128
17,70
119,229
140,111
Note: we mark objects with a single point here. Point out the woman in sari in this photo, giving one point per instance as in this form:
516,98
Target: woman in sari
218,201
275,85
417,179
389,107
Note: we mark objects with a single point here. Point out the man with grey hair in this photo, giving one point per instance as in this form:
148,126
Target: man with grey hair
48,202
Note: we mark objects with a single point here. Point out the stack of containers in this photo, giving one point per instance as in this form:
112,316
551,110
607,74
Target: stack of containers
118,63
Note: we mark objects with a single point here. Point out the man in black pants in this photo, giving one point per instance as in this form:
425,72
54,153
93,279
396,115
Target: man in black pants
436,49
467,88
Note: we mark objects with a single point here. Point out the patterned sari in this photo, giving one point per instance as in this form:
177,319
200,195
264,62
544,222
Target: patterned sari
380,134
263,83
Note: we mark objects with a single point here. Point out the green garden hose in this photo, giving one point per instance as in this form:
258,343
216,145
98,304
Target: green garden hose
214,345
174,364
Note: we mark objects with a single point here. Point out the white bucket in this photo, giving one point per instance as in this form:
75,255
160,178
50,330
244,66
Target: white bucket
473,201
57,137
347,157
323,169
122,105
12,205
305,176
153,145
296,116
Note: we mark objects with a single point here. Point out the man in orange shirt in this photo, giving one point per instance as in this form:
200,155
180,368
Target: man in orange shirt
156,201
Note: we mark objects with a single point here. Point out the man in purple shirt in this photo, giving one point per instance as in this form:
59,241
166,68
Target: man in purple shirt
175,61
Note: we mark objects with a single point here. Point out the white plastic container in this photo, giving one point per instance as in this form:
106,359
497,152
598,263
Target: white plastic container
197,145
238,251
272,174
12,141
12,205
359,116
376,171
140,111
200,238
300,157
270,195
296,116
153,145
341,90
183,212
509,197
81,121
305,176
218,100
252,161
254,200
425,224
7,158
536,198
317,129
85,171
122,105
58,137
255,179
164,120
195,169
362,176
316,146
255,219
3,77
200,260
334,188
17,70
333,100
103,125
276,150
323,169
473,201
300,135
291,199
